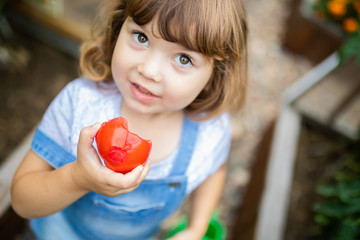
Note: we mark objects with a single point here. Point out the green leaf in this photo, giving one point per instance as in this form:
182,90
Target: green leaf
341,176
344,190
327,190
322,219
348,230
354,164
351,48
336,209
349,190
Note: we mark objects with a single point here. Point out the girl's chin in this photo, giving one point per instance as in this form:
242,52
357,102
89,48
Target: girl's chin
137,107
146,110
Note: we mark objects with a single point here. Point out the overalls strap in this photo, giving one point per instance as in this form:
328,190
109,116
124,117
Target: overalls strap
186,147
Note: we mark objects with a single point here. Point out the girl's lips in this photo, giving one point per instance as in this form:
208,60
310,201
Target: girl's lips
142,93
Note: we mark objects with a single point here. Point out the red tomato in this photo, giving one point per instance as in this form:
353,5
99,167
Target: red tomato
121,150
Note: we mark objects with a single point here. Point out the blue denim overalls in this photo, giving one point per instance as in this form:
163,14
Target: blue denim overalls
130,216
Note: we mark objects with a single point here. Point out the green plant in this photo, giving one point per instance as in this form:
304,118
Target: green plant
346,15
338,214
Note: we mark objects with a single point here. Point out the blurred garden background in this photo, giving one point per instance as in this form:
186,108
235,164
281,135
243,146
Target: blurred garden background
303,91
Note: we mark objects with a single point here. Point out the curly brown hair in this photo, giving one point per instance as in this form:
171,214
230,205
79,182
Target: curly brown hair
220,28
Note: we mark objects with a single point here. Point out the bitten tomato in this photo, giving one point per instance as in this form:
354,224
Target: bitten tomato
121,150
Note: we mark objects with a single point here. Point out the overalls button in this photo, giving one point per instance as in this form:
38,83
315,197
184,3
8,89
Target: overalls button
174,184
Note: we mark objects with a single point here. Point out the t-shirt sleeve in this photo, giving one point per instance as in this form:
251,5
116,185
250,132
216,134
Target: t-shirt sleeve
52,140
212,150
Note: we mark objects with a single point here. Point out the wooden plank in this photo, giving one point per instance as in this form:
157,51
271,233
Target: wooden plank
306,82
324,100
274,204
66,27
348,120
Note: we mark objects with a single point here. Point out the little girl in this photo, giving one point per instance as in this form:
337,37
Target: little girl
173,69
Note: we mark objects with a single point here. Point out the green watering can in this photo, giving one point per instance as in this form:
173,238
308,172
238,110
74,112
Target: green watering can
215,231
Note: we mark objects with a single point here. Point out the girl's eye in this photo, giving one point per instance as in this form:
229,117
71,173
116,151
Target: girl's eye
141,38
183,59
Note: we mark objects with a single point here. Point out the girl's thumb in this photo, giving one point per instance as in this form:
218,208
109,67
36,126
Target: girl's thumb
87,134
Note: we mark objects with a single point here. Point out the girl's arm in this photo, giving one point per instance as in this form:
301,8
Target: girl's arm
39,190
203,203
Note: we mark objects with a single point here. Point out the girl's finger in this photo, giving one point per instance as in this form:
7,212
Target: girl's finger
128,180
144,173
87,134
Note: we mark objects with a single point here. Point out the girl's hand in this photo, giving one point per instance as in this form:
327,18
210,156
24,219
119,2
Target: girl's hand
89,174
187,234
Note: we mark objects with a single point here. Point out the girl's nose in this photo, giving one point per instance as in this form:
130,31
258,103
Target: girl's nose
150,68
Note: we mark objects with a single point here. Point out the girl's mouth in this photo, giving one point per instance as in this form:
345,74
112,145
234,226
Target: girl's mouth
142,94
143,90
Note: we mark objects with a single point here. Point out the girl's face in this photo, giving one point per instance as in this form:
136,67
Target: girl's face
154,75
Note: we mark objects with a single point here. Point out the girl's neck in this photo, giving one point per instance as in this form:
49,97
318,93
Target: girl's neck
146,122
164,130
